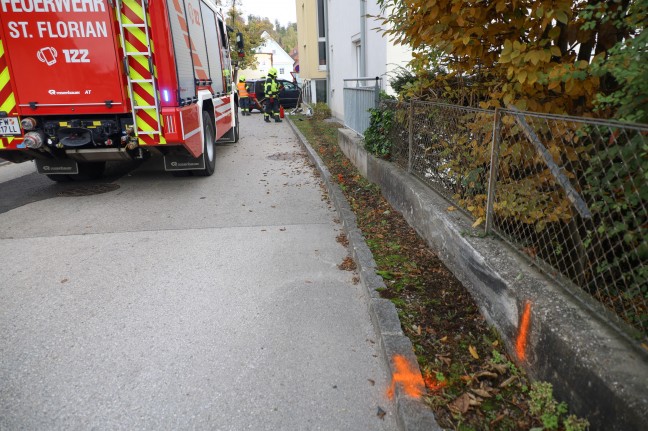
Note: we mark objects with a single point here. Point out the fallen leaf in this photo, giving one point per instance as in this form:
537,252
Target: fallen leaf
381,413
485,374
500,368
479,221
482,393
473,352
452,209
373,382
460,404
474,401
65,280
445,360
508,381
495,343
444,339
497,419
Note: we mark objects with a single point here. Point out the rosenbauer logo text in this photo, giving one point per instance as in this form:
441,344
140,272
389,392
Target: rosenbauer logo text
63,93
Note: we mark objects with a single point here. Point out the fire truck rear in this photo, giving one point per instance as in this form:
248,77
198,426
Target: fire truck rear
83,82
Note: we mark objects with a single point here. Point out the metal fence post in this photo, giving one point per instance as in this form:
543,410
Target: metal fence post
494,165
377,92
410,137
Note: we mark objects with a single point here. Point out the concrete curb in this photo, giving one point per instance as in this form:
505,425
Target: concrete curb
411,413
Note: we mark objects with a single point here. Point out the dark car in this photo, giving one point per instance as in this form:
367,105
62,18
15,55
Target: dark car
288,95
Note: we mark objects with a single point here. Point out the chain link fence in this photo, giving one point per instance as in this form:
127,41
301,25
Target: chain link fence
569,193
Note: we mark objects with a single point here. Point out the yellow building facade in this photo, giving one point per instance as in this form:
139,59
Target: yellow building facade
311,44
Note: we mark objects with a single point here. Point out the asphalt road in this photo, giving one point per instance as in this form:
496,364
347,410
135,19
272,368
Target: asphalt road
184,302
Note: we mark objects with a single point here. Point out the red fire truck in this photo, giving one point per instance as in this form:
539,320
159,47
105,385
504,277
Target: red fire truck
83,82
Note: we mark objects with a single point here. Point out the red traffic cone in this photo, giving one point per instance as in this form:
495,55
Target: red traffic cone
281,112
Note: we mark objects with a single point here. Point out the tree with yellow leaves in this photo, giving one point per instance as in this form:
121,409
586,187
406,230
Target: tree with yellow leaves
534,54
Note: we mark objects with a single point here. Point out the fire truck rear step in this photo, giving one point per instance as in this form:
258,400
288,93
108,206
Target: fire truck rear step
99,155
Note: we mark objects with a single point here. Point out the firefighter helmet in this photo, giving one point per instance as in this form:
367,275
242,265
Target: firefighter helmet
272,72
242,79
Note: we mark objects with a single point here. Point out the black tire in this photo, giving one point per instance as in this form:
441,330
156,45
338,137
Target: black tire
60,178
237,127
209,149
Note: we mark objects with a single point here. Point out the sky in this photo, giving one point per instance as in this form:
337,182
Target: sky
283,10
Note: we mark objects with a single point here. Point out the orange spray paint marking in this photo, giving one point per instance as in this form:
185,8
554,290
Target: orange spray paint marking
523,332
411,381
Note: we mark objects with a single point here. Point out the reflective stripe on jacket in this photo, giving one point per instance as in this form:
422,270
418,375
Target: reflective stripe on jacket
242,89
271,87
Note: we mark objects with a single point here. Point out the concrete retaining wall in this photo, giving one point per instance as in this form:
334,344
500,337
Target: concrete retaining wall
602,376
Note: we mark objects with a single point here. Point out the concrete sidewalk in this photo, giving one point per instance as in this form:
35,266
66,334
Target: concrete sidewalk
202,303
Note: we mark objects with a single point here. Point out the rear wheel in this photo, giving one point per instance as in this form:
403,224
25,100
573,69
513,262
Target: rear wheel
235,132
208,147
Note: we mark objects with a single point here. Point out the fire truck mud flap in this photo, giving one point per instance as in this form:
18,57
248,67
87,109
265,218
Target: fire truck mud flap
183,163
57,167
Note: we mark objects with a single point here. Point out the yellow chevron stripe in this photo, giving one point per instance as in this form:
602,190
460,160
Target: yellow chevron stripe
8,140
138,33
126,20
139,101
4,77
142,60
143,125
130,48
9,104
136,7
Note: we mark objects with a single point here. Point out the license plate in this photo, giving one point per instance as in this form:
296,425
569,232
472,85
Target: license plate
10,126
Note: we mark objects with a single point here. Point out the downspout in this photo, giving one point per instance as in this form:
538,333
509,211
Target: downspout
363,39
328,54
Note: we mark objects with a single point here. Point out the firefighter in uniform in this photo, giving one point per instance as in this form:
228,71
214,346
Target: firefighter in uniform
271,89
244,97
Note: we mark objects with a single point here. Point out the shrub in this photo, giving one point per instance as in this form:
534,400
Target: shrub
381,122
321,111
377,139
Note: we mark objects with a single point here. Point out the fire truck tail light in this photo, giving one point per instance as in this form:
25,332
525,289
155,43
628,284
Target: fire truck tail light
33,140
28,123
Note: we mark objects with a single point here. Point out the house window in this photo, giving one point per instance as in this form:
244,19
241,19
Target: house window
281,71
321,33
320,90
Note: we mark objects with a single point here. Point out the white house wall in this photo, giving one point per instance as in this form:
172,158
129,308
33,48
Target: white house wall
389,57
343,28
381,56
